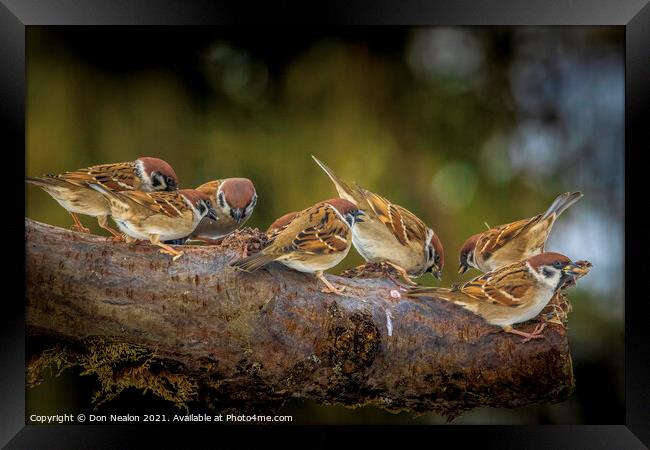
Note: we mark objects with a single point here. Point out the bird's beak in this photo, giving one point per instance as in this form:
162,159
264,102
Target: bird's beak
237,214
212,214
577,269
463,268
435,271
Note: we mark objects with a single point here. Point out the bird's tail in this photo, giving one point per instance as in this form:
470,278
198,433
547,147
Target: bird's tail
428,292
561,203
451,295
344,189
253,262
42,181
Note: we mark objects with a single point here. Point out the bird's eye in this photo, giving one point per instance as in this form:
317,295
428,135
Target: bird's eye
169,180
557,264
208,204
437,259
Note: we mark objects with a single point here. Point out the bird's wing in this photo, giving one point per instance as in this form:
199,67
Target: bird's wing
116,177
318,230
496,238
507,286
401,222
171,204
280,224
210,188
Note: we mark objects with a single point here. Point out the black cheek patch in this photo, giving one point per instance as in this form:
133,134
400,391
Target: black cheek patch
349,218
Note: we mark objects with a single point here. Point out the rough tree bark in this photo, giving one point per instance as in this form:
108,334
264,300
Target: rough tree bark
196,330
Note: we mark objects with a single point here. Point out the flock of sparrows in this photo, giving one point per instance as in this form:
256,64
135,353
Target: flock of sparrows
143,199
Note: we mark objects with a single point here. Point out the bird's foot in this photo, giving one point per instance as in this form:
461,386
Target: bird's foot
174,253
536,334
80,229
330,288
403,274
333,290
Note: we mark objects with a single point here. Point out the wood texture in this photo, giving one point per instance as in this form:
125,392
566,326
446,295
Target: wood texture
249,342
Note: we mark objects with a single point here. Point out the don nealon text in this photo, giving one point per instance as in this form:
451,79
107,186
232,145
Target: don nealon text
113,418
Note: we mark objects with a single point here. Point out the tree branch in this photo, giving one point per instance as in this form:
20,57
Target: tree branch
197,330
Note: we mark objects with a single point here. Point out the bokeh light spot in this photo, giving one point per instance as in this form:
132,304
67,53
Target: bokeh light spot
454,185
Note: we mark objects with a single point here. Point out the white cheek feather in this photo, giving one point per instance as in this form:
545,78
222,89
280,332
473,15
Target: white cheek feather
144,176
428,240
249,209
471,260
196,213
550,282
226,207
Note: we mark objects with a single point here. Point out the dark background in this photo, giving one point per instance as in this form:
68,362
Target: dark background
461,125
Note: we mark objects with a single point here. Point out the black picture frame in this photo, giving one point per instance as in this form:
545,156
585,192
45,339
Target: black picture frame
15,15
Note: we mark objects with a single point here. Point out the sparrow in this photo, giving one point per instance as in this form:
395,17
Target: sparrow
158,216
280,224
514,241
391,233
234,200
317,239
72,189
513,293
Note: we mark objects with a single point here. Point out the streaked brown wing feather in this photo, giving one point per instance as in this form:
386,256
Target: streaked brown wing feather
504,287
494,239
328,235
116,177
317,230
171,204
210,187
414,227
402,223
280,224
321,241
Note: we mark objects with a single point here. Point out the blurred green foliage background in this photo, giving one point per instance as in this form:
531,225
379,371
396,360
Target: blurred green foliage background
463,126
